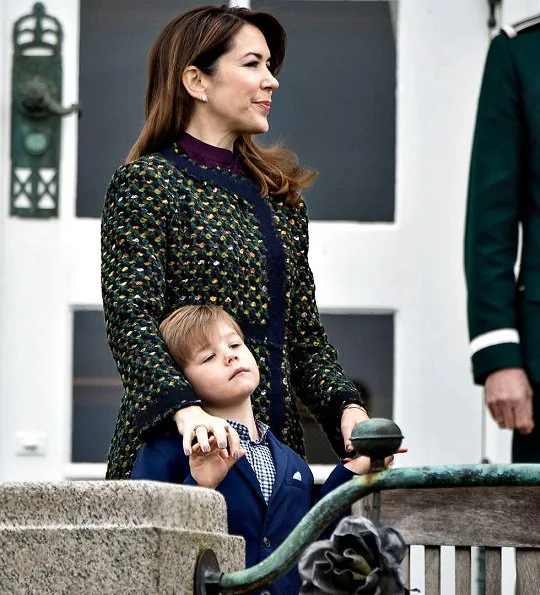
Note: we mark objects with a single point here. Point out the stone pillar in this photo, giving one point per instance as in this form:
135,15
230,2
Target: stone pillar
110,537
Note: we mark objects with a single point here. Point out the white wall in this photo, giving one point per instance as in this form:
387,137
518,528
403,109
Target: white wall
441,52
4,179
35,340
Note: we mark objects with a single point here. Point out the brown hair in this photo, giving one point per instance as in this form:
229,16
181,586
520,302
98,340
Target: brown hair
199,37
191,327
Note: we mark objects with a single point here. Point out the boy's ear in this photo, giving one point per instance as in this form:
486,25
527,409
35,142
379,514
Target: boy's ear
194,81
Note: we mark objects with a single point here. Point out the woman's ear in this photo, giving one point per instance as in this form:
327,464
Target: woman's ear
193,81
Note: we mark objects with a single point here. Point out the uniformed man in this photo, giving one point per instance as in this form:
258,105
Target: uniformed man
504,197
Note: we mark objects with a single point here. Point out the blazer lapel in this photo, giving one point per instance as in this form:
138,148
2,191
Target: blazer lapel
246,470
279,455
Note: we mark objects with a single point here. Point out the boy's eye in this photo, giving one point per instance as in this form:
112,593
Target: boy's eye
235,345
208,358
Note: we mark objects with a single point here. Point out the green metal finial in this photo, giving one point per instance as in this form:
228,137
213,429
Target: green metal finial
376,438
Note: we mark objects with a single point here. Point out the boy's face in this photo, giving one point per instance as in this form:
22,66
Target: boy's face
224,372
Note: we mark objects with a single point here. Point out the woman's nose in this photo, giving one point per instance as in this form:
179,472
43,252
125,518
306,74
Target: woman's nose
270,81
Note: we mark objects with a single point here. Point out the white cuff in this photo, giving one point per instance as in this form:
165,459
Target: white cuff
502,335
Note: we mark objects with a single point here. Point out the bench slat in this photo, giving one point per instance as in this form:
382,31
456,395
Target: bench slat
433,570
463,571
528,570
493,571
406,564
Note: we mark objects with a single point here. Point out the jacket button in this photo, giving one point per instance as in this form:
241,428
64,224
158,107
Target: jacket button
266,593
266,542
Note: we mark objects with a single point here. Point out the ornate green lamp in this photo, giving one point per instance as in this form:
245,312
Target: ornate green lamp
36,114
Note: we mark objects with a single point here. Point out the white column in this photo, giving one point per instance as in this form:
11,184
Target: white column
441,51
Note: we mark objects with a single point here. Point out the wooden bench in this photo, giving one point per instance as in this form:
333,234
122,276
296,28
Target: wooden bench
465,517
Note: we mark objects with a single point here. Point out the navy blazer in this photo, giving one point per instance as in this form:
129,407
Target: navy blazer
263,526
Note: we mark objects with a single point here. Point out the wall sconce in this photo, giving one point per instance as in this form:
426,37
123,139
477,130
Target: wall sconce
36,114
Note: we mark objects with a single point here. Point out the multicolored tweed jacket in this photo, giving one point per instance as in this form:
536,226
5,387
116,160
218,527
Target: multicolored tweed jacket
176,233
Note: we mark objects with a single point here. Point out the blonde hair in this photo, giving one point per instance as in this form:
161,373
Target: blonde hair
200,37
191,327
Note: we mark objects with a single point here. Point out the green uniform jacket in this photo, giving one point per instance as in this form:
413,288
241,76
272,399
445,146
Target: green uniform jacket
504,195
175,233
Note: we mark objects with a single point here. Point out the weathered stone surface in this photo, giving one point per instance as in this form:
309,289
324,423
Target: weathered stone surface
109,537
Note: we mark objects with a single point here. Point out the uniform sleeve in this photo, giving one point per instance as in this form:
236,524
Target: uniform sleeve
317,377
493,213
133,281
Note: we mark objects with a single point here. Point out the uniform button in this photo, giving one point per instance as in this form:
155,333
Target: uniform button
266,542
265,593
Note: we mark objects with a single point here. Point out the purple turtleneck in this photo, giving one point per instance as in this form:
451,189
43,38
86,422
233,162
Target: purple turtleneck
210,156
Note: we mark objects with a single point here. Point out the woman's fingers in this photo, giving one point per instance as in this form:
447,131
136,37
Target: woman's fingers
187,438
234,443
220,432
193,422
201,433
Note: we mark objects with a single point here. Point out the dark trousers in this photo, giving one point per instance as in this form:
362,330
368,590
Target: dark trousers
526,449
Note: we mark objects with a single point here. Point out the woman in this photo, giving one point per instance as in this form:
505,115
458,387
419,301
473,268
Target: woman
200,214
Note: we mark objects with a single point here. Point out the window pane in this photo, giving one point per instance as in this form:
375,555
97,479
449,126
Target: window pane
365,344
336,103
97,389
115,39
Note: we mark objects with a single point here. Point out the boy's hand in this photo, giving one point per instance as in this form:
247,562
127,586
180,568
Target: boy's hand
209,469
360,465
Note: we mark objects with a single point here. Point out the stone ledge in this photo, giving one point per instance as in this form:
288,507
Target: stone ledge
129,560
110,537
123,503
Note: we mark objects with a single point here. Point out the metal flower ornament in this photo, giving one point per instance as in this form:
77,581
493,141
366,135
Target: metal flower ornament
359,558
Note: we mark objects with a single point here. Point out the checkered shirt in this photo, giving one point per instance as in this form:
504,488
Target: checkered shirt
259,456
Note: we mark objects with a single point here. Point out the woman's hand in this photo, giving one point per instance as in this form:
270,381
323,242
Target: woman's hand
195,422
352,415
209,469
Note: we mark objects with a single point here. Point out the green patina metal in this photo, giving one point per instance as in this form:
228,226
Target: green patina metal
36,114
321,515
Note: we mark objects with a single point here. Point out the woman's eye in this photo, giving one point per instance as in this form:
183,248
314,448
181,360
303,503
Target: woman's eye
252,64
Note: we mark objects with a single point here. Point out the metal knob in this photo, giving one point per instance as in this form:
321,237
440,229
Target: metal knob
376,438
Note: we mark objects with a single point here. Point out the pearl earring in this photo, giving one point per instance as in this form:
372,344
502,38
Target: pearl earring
204,99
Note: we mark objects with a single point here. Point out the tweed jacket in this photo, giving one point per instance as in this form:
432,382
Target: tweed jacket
176,233
504,195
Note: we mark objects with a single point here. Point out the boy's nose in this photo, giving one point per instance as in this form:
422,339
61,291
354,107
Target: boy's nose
231,357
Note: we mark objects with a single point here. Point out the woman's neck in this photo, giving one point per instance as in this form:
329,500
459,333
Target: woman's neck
206,132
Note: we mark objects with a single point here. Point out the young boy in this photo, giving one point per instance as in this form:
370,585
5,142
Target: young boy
268,487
